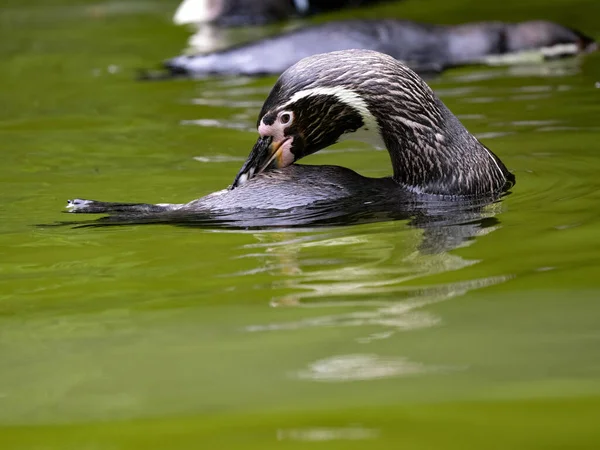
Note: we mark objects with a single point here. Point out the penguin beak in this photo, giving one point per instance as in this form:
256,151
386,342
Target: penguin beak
266,154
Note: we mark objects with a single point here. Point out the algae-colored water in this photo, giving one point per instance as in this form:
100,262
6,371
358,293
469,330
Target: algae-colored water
368,336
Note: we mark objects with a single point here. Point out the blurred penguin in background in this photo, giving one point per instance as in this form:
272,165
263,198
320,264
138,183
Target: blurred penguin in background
256,12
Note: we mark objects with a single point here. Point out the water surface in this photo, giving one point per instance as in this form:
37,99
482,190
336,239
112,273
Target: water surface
478,334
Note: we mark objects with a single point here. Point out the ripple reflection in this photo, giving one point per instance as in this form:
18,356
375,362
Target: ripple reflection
376,271
361,367
375,282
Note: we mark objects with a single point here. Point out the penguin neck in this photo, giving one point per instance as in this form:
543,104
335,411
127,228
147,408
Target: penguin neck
437,155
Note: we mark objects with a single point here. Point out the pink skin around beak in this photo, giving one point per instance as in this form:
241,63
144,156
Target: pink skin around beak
272,150
281,145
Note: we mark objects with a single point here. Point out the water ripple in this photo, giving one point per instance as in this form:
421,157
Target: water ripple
393,315
362,367
217,123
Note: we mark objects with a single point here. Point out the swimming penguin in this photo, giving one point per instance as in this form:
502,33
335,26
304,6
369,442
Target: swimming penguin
256,12
437,165
424,48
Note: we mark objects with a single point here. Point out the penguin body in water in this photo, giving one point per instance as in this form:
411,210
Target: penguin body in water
425,48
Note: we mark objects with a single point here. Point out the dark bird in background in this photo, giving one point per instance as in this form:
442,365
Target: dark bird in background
424,48
256,12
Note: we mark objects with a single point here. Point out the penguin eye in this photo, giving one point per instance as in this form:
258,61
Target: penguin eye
285,117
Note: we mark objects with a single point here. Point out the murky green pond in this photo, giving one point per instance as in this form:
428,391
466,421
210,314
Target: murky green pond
368,336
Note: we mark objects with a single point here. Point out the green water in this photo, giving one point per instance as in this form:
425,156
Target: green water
165,337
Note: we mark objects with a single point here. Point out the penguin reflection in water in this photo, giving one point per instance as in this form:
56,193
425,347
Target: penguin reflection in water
441,172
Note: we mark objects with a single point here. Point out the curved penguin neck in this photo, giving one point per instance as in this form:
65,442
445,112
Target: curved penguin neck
431,151
437,155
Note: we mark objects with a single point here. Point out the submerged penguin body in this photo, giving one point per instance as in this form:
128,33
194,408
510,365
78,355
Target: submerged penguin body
294,196
279,189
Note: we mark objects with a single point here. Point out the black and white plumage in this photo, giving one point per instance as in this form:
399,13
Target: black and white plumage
425,48
255,12
373,97
327,98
